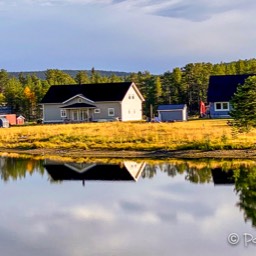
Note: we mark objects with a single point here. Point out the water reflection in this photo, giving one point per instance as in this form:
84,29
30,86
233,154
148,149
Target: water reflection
19,168
177,205
124,171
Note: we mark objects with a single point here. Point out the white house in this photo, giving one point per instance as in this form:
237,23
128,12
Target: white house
92,102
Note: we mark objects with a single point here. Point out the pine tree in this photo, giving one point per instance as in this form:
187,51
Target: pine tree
244,106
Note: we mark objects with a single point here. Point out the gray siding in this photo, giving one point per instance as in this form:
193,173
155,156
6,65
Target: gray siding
176,115
103,107
52,113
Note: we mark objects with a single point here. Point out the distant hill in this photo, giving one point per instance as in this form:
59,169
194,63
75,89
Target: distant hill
41,74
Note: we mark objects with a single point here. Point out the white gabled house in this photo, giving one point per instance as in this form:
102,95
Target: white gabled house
92,102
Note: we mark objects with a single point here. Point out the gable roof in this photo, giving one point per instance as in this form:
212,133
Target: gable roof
171,107
94,92
223,87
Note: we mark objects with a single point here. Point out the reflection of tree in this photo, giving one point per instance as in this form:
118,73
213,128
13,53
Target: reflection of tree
18,168
149,171
245,186
203,175
193,174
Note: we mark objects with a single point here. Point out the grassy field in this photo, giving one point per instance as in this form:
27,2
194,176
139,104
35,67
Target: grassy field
196,134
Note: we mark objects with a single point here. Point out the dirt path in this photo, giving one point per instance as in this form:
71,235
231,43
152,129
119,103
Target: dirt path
189,154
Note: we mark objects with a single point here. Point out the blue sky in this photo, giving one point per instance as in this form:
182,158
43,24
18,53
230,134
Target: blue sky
124,35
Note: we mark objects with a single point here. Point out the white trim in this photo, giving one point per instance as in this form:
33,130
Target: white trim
63,113
221,104
137,91
97,111
111,109
78,95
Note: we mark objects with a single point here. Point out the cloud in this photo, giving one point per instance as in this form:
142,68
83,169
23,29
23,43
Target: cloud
197,10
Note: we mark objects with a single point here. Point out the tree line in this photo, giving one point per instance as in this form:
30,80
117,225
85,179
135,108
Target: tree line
185,85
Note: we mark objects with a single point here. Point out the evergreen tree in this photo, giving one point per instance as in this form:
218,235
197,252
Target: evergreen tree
82,77
244,106
58,77
3,80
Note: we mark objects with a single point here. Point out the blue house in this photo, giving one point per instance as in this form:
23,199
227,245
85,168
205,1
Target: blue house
220,91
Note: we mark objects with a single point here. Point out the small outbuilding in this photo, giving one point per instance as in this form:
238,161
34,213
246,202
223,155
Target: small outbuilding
4,123
172,112
20,120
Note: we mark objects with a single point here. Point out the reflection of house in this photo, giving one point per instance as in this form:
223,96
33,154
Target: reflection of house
172,112
126,171
92,102
221,90
221,177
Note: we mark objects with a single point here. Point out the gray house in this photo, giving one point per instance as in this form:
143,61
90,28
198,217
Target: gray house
220,91
172,112
92,102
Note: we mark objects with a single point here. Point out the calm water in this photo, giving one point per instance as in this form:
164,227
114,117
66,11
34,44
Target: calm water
154,208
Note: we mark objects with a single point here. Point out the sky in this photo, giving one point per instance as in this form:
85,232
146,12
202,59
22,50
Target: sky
124,35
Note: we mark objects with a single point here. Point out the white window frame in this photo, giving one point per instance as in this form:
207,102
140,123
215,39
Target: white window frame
111,112
63,113
96,111
221,105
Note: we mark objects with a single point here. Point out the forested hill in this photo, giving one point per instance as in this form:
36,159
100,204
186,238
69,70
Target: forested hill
23,91
72,73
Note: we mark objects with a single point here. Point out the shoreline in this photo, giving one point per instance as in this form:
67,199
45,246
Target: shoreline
160,154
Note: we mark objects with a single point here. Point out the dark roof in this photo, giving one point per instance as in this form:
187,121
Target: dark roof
222,177
5,110
222,88
95,172
79,105
171,107
94,92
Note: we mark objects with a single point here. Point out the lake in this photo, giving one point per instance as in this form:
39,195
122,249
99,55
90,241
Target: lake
123,207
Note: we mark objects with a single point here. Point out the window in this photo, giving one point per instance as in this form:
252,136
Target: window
111,111
221,106
96,110
75,116
79,100
63,113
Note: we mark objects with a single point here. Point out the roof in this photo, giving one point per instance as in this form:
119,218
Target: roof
5,110
106,172
222,88
79,105
94,92
171,107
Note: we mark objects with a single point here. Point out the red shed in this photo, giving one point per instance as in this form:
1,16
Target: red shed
11,118
20,120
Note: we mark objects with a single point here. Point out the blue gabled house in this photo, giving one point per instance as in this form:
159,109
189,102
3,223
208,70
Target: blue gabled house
220,91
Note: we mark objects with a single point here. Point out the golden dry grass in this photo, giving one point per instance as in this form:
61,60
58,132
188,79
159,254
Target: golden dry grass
197,134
